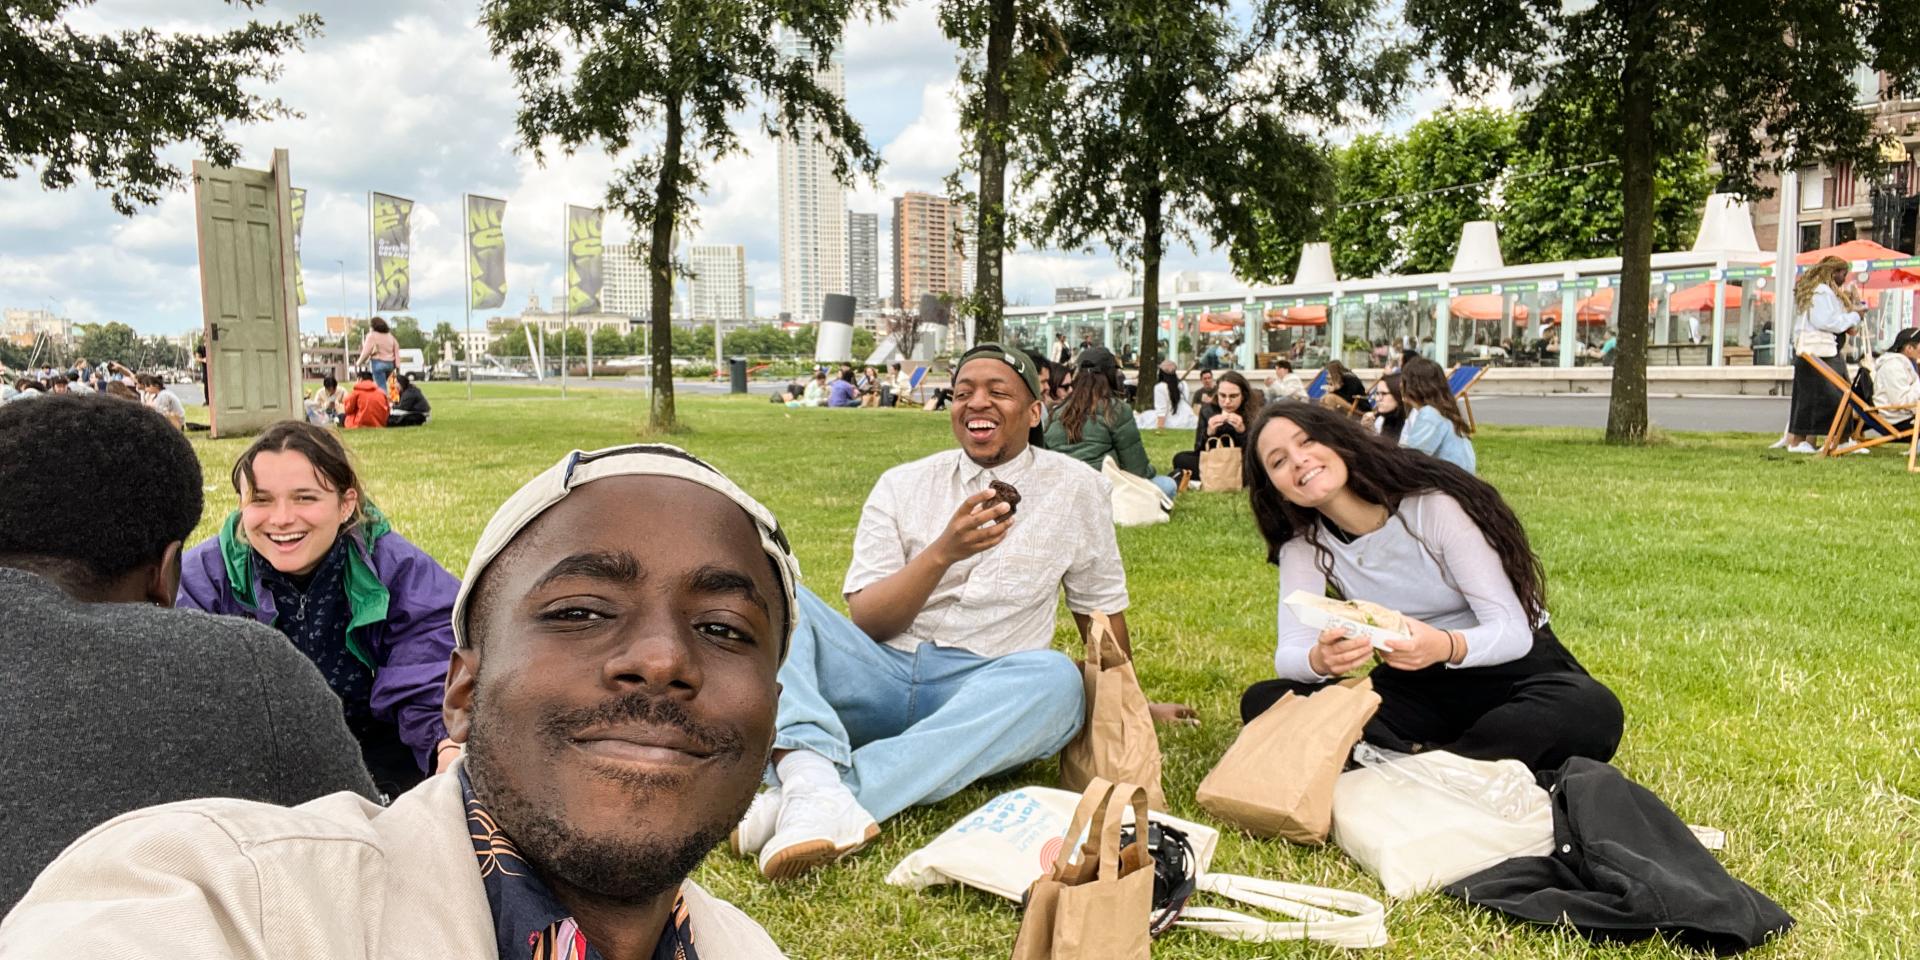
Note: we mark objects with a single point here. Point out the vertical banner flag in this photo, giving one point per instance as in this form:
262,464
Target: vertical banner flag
392,241
299,203
584,275
486,252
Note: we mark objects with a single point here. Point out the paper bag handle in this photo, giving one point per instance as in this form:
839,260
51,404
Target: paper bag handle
1101,642
1092,800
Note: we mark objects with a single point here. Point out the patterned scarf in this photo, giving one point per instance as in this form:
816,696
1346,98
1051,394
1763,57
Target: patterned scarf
529,924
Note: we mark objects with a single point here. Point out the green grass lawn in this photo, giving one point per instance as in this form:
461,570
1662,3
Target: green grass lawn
1755,612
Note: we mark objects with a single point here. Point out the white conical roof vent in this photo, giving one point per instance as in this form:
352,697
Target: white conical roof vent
1726,224
1316,264
1479,248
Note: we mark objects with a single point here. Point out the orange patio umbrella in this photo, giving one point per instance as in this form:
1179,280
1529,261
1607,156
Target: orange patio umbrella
1867,250
1699,297
1591,311
1486,306
1219,322
1313,315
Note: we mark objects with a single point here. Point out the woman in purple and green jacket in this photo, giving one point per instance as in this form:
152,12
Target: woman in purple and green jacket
308,554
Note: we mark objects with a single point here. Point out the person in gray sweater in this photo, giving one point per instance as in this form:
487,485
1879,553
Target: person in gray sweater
115,701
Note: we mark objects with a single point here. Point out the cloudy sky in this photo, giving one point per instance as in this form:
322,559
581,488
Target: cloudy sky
403,98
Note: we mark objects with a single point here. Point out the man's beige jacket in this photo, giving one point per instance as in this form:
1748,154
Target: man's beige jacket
334,879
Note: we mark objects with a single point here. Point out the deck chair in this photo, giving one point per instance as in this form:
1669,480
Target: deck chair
1318,392
1856,416
1460,380
913,381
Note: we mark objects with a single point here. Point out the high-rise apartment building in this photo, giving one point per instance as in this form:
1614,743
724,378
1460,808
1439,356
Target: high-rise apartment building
624,289
813,211
929,255
863,260
718,290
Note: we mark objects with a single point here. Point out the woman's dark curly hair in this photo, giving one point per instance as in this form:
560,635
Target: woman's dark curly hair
1382,472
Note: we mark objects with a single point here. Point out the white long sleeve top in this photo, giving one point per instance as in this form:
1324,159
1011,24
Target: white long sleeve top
1895,382
1429,562
1825,314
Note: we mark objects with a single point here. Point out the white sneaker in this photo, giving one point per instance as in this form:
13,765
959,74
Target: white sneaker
756,828
818,824
1861,452
1802,447
1778,444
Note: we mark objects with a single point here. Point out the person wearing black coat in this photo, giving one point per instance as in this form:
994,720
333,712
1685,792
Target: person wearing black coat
1346,385
1226,419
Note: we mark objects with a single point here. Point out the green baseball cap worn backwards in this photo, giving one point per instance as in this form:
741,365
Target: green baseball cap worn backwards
1017,359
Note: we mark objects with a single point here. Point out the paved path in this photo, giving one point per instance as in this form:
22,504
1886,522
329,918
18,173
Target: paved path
1738,414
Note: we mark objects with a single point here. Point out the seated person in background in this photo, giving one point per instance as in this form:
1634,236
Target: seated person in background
78,384
115,701
1389,414
902,383
159,399
1484,676
327,407
1094,423
1171,408
309,554
1346,385
1226,420
1434,424
366,404
944,674
621,627
1283,383
1896,378
412,408
814,394
1203,394
120,391
842,392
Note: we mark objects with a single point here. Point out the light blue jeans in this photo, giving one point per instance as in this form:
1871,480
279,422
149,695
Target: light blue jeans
915,728
1166,484
381,371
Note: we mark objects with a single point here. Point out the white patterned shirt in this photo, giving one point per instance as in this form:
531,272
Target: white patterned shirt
1002,600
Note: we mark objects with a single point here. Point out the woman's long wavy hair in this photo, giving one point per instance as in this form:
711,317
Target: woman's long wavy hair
1090,395
1382,472
1831,271
1423,383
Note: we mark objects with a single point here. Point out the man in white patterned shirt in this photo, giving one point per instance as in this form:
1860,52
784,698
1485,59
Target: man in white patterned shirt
945,674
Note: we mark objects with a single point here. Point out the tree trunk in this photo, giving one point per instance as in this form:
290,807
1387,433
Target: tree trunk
1627,407
990,217
666,200
1151,229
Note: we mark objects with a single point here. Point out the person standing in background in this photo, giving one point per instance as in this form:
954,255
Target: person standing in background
1825,307
379,352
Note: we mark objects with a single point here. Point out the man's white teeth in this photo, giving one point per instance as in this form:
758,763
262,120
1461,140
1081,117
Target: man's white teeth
979,425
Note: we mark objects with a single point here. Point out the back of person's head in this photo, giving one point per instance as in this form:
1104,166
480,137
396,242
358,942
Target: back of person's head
331,463
1283,364
1336,371
366,375
73,376
846,373
121,391
896,366
148,380
126,496
330,382
1095,377
378,324
1382,472
402,380
1424,384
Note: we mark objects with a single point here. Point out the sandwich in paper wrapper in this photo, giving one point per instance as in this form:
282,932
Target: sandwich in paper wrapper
1385,629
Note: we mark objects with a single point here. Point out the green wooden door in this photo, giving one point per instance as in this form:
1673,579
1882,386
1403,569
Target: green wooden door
246,288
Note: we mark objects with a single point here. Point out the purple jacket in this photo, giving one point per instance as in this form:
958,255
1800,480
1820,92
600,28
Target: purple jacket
401,626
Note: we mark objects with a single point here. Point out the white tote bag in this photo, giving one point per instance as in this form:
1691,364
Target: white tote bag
1136,501
1416,837
1006,845
1321,914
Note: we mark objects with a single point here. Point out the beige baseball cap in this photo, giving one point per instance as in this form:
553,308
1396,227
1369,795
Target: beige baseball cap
582,467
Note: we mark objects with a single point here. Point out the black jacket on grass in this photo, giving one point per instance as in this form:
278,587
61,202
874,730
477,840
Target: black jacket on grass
111,707
1623,867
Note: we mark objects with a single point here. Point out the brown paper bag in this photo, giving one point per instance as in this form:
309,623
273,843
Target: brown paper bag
1220,465
1277,777
1095,907
1117,741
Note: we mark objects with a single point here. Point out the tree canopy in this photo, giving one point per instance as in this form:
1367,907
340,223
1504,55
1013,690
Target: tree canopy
103,106
659,83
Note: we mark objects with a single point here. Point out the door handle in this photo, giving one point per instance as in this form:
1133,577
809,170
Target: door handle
213,331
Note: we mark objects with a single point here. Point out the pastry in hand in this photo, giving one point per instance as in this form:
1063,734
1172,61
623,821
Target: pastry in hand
1003,492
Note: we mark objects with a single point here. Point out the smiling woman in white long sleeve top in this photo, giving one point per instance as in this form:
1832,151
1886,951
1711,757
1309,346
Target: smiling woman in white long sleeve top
1482,674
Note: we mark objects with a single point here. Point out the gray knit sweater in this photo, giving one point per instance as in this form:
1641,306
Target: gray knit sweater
110,707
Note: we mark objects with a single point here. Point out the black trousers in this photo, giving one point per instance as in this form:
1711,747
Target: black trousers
1541,709
406,418
1815,400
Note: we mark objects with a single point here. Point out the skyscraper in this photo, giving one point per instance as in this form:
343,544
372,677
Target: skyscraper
719,284
928,254
625,290
863,260
813,213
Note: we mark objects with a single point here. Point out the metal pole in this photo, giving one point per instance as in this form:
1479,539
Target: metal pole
466,345
566,295
372,265
346,359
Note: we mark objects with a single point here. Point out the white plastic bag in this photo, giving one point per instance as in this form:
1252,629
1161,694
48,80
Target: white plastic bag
1136,501
1415,837
1005,845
